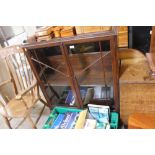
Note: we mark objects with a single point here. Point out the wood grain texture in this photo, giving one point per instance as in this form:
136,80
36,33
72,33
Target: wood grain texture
136,98
141,121
137,90
89,29
67,31
122,36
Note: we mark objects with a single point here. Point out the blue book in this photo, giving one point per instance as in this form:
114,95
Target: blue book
72,120
65,121
58,121
70,99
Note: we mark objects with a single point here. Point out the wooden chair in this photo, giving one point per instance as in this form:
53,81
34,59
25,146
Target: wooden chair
26,88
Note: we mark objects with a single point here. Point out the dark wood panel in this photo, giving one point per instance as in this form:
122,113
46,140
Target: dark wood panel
88,79
80,61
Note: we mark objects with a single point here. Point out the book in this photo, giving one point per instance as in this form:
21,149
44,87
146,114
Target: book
44,38
108,126
81,119
58,121
101,125
69,120
65,121
99,112
90,124
72,120
43,31
89,96
70,99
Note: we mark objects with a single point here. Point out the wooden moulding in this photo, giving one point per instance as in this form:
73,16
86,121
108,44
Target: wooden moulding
81,38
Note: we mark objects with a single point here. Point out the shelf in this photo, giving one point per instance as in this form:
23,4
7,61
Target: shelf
93,76
88,79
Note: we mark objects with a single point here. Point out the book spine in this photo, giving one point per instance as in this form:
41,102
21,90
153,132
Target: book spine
70,98
72,120
65,121
81,120
58,121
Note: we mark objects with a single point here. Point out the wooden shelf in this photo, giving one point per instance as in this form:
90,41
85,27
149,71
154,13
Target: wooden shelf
85,80
93,76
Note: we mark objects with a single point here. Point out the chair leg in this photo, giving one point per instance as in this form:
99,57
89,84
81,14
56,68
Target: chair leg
20,123
7,122
40,115
44,102
31,122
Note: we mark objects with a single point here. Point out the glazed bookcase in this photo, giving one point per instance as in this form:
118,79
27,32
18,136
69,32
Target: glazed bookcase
81,61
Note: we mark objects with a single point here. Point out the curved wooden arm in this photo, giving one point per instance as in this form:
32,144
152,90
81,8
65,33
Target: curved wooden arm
20,95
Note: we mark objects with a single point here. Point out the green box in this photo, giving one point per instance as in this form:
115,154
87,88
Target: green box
60,110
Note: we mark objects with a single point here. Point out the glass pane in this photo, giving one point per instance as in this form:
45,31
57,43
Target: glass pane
92,66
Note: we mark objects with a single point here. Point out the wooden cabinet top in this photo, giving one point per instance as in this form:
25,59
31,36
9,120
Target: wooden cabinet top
81,38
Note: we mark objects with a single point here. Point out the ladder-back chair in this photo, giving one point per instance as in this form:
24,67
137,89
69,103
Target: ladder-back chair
26,88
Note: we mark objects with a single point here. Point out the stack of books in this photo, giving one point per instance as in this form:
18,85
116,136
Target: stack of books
65,120
44,33
95,117
99,113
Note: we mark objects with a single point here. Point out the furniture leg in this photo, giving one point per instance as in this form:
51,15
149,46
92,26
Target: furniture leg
31,122
43,102
40,115
20,123
7,122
